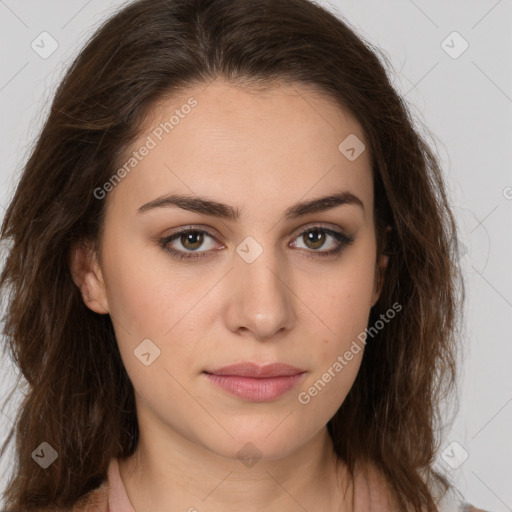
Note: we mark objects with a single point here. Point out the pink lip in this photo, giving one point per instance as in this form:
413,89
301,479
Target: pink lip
248,369
256,383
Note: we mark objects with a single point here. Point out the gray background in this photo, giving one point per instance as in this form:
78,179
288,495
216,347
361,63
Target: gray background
465,101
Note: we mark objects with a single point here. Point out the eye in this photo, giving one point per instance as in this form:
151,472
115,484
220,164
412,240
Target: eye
316,237
190,240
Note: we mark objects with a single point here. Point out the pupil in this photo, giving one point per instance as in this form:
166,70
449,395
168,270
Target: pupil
189,240
312,235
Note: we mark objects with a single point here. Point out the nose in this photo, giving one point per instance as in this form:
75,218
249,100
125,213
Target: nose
261,305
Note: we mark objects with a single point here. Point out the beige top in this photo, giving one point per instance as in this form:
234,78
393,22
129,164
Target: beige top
369,496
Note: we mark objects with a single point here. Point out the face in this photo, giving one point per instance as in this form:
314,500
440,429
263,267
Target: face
247,267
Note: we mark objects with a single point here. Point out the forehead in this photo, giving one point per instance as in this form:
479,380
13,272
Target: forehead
282,143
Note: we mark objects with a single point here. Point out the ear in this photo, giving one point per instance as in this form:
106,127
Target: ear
380,273
87,275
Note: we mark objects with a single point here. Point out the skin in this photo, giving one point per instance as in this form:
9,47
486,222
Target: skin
261,152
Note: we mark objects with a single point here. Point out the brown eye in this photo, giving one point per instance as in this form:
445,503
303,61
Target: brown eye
314,239
318,237
189,244
192,240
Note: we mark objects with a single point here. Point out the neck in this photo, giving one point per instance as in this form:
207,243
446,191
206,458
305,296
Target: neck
185,476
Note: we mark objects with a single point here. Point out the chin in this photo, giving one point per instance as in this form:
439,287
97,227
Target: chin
248,445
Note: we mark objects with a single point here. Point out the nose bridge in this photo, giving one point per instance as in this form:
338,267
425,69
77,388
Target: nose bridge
261,298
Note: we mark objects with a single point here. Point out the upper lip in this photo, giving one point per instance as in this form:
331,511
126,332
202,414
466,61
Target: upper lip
248,369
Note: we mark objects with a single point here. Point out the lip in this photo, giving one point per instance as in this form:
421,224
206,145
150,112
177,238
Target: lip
254,382
248,369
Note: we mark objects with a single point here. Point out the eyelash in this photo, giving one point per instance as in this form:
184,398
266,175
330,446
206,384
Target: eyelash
343,239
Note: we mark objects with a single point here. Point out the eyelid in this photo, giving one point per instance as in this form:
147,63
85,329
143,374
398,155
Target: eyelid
320,225
194,227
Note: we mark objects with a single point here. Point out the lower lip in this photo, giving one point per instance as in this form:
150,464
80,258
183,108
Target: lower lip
256,389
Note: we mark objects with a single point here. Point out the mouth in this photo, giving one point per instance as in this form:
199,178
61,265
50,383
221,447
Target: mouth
256,383
248,369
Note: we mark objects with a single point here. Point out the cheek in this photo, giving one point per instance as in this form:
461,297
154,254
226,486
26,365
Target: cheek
343,305
325,390
345,302
337,357
146,294
149,300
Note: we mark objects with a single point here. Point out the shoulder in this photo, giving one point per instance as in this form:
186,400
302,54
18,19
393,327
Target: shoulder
372,490
94,501
372,494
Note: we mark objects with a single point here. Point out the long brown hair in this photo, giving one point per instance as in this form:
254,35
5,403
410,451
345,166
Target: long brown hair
78,397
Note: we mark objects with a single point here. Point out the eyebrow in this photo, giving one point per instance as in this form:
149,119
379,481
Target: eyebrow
208,207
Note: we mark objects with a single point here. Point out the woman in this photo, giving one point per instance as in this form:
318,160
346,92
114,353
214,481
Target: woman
231,279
